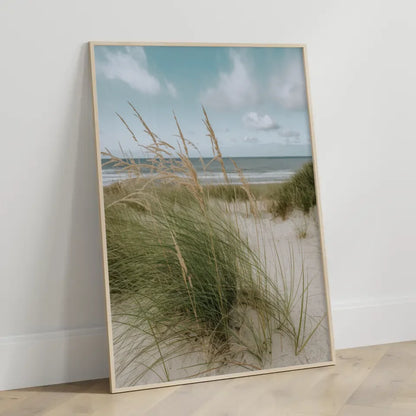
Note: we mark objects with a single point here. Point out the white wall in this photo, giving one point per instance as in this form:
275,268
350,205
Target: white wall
362,67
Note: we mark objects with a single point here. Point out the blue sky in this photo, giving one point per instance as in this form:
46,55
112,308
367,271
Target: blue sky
255,97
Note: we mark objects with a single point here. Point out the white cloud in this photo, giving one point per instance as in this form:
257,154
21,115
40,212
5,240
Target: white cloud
291,137
248,139
289,133
130,66
171,89
289,96
287,86
257,121
234,89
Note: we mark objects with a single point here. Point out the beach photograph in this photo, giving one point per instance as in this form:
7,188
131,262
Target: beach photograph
211,224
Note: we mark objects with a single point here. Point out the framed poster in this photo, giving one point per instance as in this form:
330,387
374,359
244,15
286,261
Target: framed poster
211,227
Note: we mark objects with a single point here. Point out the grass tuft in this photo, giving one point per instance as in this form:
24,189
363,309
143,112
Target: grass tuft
297,193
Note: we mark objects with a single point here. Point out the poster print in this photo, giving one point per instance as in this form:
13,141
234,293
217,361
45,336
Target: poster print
212,243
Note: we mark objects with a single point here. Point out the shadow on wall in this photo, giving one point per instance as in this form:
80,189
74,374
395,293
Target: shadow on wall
84,284
85,293
72,265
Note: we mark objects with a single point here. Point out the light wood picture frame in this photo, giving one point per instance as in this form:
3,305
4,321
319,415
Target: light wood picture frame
212,238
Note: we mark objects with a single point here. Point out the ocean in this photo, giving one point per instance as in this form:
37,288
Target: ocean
255,170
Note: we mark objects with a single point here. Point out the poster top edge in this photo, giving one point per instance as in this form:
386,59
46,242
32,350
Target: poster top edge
201,44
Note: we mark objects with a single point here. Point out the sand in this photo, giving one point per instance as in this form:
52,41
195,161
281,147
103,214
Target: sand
298,234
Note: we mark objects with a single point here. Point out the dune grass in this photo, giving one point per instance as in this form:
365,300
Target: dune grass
191,274
297,193
229,193
181,274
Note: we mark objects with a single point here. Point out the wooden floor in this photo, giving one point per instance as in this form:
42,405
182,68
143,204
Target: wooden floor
379,381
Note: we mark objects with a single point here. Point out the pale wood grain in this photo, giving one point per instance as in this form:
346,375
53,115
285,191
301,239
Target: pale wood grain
379,380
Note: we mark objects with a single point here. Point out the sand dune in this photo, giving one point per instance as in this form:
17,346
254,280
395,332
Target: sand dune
295,238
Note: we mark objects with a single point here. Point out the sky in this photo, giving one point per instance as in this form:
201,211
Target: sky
255,97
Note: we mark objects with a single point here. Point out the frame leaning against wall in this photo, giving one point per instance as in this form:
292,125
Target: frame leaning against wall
117,388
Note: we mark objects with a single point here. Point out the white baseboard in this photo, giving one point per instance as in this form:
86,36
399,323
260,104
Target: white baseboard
53,357
81,354
372,322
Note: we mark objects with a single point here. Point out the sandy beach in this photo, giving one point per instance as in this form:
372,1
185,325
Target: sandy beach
295,242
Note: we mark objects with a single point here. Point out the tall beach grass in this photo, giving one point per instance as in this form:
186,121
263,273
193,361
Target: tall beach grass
297,193
183,278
